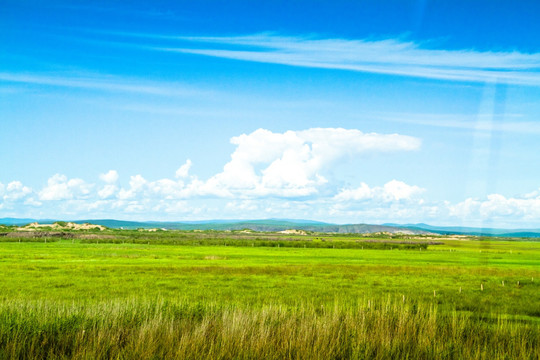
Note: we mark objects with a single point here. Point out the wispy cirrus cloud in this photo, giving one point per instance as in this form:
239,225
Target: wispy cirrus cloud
483,122
99,82
387,56
391,56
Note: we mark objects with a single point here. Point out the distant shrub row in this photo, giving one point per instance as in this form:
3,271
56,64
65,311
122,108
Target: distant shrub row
263,243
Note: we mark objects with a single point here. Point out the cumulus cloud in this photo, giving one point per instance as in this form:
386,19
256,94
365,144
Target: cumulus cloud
394,201
497,206
391,191
32,202
59,187
166,189
109,177
291,163
397,190
107,191
272,174
136,184
110,188
242,206
183,170
268,172
265,163
14,191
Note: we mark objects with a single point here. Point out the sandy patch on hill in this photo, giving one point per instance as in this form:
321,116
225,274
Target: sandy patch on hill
56,226
293,232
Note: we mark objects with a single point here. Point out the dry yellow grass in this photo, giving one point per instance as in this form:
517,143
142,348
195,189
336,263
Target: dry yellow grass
165,330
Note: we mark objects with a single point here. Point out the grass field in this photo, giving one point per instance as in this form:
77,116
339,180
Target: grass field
145,296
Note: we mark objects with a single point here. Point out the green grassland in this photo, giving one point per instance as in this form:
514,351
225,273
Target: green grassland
139,294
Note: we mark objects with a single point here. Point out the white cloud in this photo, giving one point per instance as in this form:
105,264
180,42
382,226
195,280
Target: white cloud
32,202
394,201
14,191
272,174
134,207
242,206
175,207
109,177
363,192
390,192
267,172
107,191
166,188
397,190
98,82
483,122
389,56
395,212
169,189
497,206
136,184
291,163
60,188
183,170
277,164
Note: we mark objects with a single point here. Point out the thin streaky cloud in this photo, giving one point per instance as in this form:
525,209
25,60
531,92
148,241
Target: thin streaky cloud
476,122
382,51
427,71
99,82
389,56
388,51
392,57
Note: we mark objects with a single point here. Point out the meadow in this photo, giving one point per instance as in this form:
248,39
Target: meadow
217,295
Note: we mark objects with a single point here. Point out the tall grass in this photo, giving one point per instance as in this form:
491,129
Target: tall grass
144,329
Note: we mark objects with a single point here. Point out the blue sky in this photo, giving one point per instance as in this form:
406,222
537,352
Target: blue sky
350,112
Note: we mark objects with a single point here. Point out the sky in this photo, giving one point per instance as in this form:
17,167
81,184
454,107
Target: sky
338,111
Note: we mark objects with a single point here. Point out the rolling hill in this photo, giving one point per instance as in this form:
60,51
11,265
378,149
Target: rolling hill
285,224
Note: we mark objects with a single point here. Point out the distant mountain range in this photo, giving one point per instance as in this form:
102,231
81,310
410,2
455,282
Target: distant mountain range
285,224
464,230
256,225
